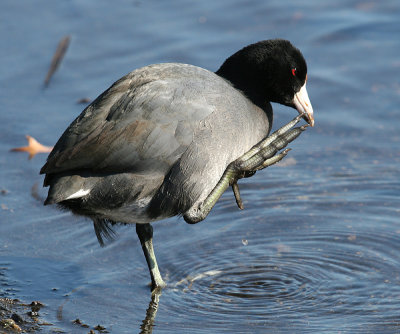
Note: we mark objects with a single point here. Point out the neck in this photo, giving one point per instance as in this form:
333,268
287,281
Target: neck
240,80
243,71
255,97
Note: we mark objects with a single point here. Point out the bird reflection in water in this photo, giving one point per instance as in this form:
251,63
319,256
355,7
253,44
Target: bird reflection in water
148,323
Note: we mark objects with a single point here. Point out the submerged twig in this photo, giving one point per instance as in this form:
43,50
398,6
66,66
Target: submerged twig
57,58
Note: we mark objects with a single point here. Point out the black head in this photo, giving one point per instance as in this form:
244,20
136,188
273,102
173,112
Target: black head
267,71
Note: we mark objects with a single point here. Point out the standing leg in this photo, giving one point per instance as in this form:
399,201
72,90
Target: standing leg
145,234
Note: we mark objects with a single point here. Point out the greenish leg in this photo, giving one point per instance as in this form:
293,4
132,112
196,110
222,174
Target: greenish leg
236,192
145,234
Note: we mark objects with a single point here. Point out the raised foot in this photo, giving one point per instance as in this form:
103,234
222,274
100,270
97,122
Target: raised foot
263,155
260,156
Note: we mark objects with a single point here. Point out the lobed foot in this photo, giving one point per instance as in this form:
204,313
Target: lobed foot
260,156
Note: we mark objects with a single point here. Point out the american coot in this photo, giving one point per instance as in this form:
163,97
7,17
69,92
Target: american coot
158,141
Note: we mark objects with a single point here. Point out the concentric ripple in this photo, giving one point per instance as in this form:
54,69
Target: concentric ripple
287,278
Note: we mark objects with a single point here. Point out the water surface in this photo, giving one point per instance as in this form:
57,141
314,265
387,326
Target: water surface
316,249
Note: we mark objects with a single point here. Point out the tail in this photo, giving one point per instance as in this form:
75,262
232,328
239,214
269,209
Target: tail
104,230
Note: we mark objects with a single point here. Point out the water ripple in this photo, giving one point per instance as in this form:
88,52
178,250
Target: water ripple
310,274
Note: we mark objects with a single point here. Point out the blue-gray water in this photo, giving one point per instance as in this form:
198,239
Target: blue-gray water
317,248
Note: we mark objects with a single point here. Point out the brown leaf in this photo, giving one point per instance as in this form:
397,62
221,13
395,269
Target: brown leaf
33,148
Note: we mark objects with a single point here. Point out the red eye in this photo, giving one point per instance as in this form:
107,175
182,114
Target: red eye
294,72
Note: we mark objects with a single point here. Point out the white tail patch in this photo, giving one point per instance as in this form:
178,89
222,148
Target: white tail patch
79,193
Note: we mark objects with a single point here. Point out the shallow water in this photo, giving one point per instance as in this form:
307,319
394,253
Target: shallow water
316,249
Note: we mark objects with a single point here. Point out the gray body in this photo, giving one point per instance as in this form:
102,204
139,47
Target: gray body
153,145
